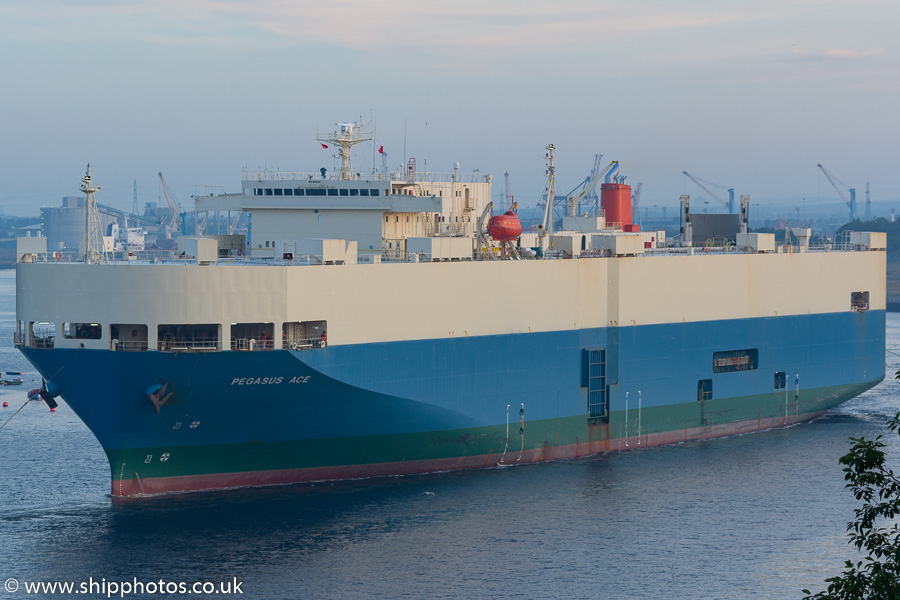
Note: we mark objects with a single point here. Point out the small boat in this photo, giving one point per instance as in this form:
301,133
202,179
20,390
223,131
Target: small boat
11,378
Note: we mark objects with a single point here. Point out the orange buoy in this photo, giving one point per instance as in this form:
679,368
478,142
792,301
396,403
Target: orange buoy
6,405
52,410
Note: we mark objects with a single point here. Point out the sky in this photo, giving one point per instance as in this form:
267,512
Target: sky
747,94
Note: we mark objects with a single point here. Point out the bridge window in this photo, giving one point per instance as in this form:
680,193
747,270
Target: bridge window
278,191
289,191
257,191
299,192
345,192
315,192
374,193
365,192
332,192
82,331
735,360
268,191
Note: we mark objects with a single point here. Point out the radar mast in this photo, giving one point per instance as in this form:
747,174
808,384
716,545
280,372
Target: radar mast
93,237
348,135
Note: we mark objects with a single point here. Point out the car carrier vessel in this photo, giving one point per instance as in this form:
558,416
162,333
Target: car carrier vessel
370,324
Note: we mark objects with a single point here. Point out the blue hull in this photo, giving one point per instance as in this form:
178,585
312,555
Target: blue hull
435,385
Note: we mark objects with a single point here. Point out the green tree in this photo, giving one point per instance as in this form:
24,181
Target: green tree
875,530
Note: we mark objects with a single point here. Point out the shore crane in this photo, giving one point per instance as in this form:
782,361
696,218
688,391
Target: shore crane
703,185
851,201
509,201
174,222
636,197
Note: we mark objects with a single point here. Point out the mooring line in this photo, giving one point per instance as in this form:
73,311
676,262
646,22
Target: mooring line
15,413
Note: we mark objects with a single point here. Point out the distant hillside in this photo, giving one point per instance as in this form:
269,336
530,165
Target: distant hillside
891,229
893,254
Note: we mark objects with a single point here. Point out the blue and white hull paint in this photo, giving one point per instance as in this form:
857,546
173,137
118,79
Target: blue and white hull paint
420,374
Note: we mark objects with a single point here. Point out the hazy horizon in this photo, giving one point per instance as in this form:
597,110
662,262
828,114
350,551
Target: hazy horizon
748,95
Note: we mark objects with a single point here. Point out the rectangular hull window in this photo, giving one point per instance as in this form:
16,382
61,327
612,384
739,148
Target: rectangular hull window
188,337
252,336
302,335
125,337
735,360
82,331
43,334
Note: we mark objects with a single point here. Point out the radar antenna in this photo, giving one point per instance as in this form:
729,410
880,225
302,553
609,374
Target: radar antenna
348,135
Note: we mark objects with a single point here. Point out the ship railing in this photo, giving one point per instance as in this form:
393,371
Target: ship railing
313,176
43,342
252,344
405,257
304,343
189,345
130,345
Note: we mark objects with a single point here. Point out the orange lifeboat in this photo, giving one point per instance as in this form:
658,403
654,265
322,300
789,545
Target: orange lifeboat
505,227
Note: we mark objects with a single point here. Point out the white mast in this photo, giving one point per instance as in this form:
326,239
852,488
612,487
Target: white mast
349,135
547,228
93,237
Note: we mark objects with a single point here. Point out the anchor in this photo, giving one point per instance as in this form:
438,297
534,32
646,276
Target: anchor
157,395
48,393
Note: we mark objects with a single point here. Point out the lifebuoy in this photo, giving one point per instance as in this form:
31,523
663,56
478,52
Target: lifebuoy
59,256
294,346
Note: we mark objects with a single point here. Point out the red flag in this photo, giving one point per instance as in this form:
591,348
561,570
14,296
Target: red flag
324,145
380,149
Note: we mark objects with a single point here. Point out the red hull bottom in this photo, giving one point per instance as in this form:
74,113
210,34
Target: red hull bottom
217,481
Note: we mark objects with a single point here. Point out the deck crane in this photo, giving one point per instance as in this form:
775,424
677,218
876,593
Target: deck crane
705,185
851,201
592,198
174,222
575,201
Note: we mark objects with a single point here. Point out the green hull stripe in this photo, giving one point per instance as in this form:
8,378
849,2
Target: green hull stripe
366,450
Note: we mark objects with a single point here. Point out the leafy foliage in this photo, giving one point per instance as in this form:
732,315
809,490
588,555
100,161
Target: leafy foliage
875,530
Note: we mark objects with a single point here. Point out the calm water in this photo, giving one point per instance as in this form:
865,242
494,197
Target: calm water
753,516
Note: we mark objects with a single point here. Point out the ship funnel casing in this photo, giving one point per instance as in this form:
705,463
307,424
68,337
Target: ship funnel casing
615,198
